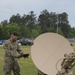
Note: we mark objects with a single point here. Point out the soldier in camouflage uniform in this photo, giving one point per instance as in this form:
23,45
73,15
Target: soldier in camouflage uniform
10,60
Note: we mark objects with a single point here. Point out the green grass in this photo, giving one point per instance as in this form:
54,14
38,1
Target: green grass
27,66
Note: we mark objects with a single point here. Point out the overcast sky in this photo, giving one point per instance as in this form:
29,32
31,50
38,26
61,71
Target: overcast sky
11,7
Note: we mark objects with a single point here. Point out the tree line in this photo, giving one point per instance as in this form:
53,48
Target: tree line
30,26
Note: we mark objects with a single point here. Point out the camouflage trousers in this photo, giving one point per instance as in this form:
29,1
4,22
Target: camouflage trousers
11,65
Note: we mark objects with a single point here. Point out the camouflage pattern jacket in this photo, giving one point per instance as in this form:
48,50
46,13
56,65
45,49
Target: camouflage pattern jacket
11,49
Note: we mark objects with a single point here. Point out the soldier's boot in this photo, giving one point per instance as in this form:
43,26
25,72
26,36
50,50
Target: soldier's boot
16,72
7,72
16,69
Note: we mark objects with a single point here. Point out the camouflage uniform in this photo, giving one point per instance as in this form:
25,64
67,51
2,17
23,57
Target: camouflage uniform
10,60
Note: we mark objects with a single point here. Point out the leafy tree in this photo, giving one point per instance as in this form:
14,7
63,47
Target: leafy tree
34,33
29,26
31,20
1,32
23,20
44,20
13,27
51,29
4,32
53,19
5,22
24,31
64,24
72,32
15,19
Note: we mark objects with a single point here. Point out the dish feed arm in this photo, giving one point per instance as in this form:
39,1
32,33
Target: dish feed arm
67,64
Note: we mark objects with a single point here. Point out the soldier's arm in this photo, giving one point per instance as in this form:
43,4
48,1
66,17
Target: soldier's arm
21,53
19,50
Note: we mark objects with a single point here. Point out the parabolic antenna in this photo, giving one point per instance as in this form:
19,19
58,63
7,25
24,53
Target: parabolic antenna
47,50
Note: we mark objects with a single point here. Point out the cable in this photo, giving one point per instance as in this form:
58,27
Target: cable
57,64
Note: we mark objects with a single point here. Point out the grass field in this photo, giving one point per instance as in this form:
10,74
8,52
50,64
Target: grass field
27,66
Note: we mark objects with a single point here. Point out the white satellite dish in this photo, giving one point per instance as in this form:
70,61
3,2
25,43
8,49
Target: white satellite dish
48,48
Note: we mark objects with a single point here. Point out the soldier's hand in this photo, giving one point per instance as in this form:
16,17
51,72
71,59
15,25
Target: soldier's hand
25,55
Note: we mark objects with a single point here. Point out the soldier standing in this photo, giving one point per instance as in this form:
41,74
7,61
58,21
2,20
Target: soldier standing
11,48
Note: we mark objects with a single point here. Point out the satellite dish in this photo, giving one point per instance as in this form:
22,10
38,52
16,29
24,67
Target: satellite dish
47,50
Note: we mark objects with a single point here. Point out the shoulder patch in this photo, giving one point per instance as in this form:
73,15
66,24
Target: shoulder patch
6,45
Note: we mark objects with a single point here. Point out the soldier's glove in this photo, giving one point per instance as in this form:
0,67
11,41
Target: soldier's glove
25,55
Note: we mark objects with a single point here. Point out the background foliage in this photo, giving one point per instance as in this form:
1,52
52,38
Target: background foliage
30,26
